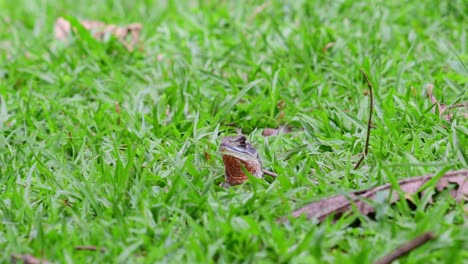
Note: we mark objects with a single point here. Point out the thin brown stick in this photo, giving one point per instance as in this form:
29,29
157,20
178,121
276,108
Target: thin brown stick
464,104
406,248
90,248
369,122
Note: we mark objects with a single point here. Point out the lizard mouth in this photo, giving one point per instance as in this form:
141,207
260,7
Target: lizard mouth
235,152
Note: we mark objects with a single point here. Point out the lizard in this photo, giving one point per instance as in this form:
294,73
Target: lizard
240,156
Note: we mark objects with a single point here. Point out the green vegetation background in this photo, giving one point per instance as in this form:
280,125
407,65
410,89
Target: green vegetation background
106,148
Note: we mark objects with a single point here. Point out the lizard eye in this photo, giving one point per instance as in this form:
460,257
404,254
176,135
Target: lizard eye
242,141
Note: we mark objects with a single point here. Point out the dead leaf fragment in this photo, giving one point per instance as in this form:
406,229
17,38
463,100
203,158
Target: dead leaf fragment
443,107
61,29
270,132
267,132
127,35
27,259
340,204
281,104
207,156
328,46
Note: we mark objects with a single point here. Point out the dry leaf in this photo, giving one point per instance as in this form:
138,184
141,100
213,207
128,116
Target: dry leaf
275,131
328,46
340,204
27,259
281,104
207,156
442,107
270,132
100,30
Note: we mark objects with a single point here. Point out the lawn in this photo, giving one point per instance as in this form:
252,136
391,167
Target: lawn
119,150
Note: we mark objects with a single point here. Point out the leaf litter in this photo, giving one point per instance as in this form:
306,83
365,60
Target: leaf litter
338,205
127,35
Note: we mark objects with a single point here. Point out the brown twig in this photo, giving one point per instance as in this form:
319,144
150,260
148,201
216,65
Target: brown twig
369,123
406,248
464,104
90,248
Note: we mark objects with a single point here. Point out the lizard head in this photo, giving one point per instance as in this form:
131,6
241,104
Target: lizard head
239,156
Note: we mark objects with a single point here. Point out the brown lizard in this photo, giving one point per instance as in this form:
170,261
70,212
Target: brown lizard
240,156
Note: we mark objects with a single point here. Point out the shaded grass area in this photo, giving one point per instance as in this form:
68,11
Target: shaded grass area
106,148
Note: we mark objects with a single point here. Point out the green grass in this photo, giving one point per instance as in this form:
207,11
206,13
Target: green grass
76,171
